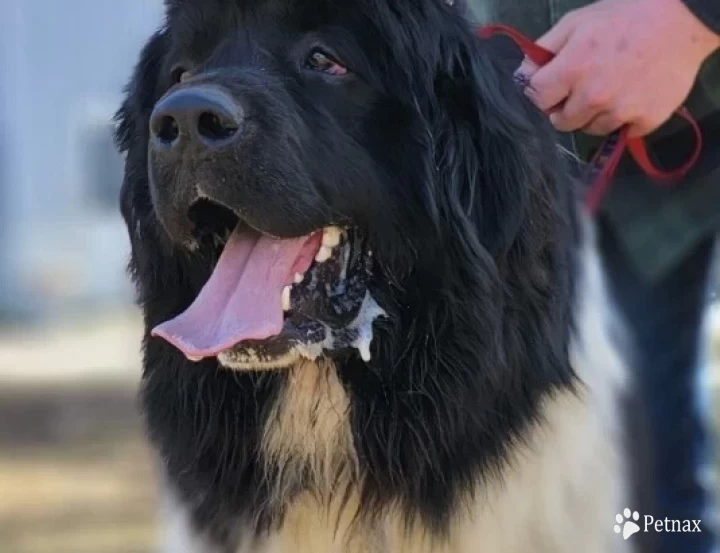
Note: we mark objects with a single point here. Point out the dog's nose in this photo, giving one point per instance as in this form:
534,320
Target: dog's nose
203,116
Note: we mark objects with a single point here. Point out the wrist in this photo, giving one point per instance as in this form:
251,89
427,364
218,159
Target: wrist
703,24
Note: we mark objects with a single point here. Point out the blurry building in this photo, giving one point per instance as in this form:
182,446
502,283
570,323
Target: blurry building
64,65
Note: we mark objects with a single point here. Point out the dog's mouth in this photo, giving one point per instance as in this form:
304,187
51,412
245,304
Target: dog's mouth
271,301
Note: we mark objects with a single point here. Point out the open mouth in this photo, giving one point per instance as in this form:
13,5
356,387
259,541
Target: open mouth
269,301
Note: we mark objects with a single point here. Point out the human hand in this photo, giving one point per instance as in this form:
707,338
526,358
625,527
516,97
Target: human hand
620,62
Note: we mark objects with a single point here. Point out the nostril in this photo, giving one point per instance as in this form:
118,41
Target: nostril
216,127
166,129
196,117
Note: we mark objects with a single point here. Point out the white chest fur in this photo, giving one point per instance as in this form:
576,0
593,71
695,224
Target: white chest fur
559,492
559,495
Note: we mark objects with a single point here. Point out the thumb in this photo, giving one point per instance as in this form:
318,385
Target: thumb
558,36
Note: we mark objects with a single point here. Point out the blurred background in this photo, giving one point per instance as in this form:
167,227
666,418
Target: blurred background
75,476
75,473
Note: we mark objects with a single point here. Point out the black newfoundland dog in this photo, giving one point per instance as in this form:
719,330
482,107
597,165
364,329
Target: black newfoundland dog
355,244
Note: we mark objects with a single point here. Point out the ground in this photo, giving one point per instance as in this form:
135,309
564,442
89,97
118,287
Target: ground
75,472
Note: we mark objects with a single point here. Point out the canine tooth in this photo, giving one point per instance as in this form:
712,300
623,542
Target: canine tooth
331,237
324,254
286,298
194,358
299,278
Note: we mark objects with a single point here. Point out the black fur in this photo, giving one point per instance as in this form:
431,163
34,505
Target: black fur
465,199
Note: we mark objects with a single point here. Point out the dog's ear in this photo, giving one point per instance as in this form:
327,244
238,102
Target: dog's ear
492,147
132,119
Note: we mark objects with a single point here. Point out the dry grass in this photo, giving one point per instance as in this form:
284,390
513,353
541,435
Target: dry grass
75,488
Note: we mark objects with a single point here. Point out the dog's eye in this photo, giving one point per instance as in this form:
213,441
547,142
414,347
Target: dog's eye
325,63
179,74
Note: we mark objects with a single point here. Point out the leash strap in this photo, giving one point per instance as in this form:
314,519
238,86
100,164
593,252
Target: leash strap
604,163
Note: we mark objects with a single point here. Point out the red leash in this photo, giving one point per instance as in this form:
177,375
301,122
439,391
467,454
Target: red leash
605,161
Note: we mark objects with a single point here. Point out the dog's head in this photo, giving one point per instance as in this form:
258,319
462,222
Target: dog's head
298,171
360,180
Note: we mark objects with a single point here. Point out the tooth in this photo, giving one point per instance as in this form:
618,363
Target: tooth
331,237
324,254
299,278
194,358
286,298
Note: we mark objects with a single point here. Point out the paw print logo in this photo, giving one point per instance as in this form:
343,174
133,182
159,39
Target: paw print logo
627,523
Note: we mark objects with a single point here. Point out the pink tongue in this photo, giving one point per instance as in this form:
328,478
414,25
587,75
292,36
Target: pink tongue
242,300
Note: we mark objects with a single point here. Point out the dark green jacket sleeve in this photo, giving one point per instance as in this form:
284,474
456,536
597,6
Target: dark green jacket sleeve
707,11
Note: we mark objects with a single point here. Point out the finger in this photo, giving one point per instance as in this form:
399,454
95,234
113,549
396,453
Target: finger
560,34
584,105
573,115
552,84
527,68
604,124
553,41
524,73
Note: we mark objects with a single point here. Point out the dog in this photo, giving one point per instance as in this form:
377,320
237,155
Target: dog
373,323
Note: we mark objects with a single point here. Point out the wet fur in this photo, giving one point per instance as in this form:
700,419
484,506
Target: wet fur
470,212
